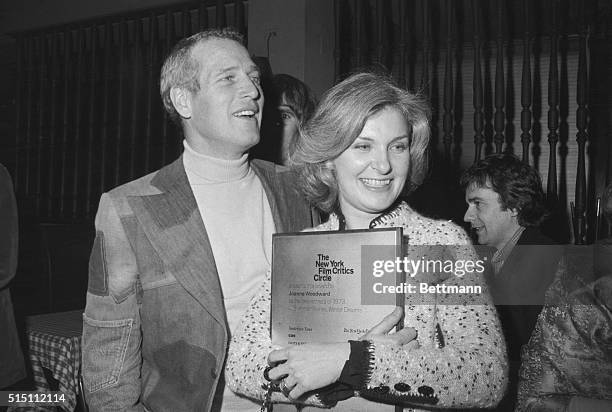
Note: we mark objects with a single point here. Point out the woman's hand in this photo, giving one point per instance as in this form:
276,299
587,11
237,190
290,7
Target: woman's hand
312,366
308,367
380,333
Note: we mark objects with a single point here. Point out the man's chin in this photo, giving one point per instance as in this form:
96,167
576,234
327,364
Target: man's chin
248,136
253,141
482,240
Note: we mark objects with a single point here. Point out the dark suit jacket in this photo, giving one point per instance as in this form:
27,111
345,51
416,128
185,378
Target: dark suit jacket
518,292
155,332
522,282
12,366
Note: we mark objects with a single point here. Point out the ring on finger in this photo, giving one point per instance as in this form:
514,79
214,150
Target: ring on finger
266,372
284,388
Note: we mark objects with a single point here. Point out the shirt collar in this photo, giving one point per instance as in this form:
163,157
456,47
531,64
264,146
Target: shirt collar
208,169
502,254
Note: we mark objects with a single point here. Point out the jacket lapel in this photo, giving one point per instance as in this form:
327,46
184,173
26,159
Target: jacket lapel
272,187
173,224
289,209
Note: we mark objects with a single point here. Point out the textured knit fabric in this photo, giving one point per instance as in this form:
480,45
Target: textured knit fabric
470,370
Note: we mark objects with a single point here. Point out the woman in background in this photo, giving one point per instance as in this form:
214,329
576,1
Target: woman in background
365,144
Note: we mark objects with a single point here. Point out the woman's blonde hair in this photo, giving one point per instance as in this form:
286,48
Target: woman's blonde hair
339,119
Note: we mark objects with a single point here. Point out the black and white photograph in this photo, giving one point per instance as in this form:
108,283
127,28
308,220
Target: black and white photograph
306,205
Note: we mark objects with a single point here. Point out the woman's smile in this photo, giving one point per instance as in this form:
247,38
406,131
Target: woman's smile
375,183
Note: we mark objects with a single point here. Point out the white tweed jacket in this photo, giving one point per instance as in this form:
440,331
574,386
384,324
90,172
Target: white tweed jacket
468,371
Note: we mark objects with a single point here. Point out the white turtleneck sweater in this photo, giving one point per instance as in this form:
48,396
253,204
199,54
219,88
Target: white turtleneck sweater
239,224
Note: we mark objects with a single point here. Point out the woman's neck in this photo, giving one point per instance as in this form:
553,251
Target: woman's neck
350,218
352,224
357,220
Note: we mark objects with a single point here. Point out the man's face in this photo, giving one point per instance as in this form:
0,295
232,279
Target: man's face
225,114
493,226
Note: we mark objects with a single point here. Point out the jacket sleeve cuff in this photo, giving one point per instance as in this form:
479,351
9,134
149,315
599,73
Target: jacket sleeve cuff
355,375
357,370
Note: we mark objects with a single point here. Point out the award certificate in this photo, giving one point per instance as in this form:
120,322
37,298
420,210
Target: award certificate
323,283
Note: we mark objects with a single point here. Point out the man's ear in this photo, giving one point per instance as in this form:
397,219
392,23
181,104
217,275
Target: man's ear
330,165
514,212
181,100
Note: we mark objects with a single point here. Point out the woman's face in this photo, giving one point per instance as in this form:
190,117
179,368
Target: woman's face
289,126
372,171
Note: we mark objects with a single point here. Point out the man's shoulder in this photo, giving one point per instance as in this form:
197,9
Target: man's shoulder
5,176
138,186
144,185
534,236
270,167
283,175
534,251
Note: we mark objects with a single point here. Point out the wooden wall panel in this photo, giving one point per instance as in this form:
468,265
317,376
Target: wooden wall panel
88,112
509,85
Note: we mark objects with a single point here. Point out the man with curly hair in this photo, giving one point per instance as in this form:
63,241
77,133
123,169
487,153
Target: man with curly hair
506,206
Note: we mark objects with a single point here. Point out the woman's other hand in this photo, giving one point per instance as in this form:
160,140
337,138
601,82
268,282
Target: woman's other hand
380,333
308,367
